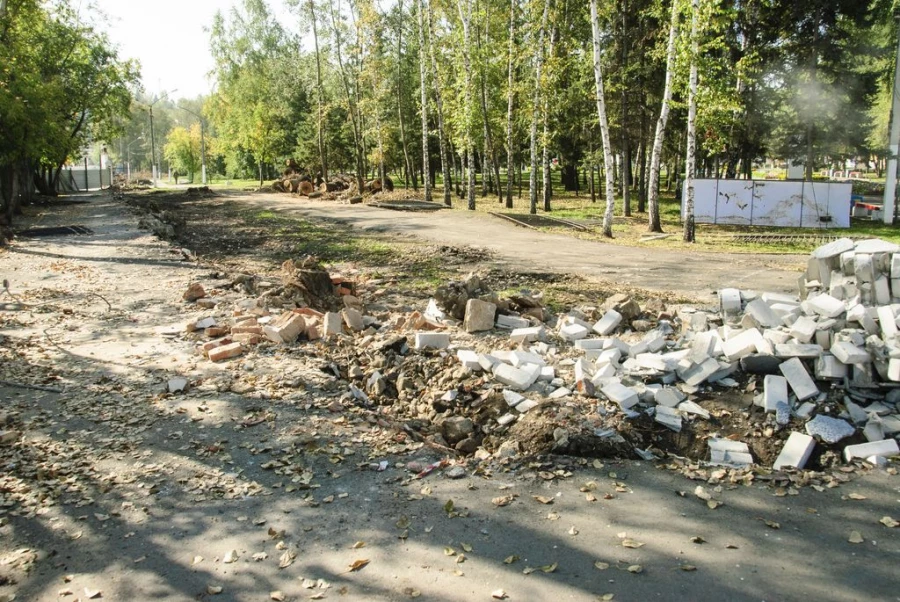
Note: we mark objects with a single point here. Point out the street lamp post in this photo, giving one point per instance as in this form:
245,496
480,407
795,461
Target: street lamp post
202,144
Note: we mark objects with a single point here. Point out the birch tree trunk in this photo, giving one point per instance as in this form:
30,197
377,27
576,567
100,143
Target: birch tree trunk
691,154
465,15
439,105
320,116
423,87
536,109
604,125
626,150
656,155
352,109
410,175
510,104
545,138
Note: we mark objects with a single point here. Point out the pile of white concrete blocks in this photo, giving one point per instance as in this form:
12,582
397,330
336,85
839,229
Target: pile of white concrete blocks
842,329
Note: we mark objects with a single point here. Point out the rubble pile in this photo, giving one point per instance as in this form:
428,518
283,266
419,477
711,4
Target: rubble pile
761,379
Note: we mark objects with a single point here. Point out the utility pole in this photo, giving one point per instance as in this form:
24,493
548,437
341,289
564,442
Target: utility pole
890,186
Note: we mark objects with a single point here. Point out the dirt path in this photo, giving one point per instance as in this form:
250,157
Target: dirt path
519,248
238,490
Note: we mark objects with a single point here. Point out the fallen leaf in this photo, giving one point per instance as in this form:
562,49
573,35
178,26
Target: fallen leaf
197,560
528,570
358,565
543,499
230,557
713,504
412,593
461,559
772,524
499,594
607,597
448,551
855,537
688,568
590,497
857,496
550,568
888,522
731,546
358,545
287,559
504,500
403,523
589,486
600,565
260,556
573,531
214,590
630,543
511,559
448,507
90,594
553,516
466,547
277,595
317,596
635,568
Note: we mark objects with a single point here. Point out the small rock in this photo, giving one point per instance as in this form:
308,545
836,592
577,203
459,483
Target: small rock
195,291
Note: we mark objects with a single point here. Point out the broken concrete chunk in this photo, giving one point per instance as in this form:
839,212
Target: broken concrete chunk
831,430
177,384
512,322
527,335
515,378
827,366
573,332
730,302
795,350
690,407
803,329
833,249
333,324
796,451
225,352
742,344
512,398
353,319
469,359
826,305
762,314
479,315
726,451
194,292
669,397
528,404
696,374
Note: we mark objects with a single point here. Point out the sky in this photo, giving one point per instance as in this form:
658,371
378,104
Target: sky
167,37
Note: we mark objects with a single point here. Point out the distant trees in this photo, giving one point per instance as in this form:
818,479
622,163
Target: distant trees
61,86
485,84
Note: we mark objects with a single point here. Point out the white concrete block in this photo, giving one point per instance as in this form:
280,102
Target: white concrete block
511,322
669,397
469,359
512,398
775,391
573,332
788,350
894,370
895,265
696,374
863,268
733,453
528,404
515,378
823,339
882,291
776,337
518,358
506,419
487,361
887,321
796,451
833,249
603,371
848,353
828,366
798,378
668,417
527,335
730,301
826,305
762,313
741,345
884,449
432,340
875,245
803,329
560,393
620,394
608,323
599,344
689,407
548,374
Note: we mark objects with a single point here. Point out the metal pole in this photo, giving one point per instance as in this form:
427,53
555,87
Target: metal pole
890,186
153,170
202,154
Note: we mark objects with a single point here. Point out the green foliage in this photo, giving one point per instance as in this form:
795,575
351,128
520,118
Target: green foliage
182,150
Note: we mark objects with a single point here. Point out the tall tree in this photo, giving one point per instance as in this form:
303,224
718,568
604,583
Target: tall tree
536,106
465,17
604,123
656,154
439,106
691,151
423,89
510,101
320,90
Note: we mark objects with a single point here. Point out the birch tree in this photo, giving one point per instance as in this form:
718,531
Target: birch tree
320,115
536,108
604,124
423,87
510,102
690,160
465,17
439,106
410,173
656,154
352,108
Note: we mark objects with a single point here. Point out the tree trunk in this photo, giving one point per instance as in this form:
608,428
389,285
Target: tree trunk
691,154
439,105
352,109
423,87
406,160
656,155
536,108
465,16
320,116
604,124
510,104
626,151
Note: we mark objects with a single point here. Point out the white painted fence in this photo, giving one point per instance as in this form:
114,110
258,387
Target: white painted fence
796,204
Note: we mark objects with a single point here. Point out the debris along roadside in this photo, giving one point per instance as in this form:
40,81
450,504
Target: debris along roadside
764,379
